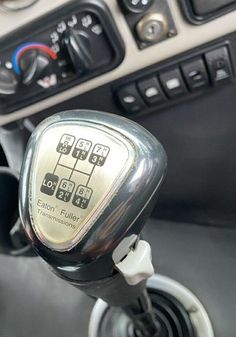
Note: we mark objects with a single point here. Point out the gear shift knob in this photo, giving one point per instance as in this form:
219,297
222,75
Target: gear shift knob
88,182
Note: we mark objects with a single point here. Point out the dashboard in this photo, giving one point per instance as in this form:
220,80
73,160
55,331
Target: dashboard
178,36
170,66
154,63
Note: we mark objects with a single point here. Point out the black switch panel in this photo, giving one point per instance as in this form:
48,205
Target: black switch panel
175,80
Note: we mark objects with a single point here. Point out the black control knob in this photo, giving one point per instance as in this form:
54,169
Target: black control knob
136,6
77,45
33,65
8,82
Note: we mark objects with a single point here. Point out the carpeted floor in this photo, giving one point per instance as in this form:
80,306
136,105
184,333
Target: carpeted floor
35,303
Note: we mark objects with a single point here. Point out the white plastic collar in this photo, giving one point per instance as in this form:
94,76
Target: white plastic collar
137,265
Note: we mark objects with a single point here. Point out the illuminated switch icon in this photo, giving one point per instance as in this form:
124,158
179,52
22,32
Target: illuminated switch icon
97,29
65,190
65,144
87,21
49,184
82,149
99,155
82,196
129,99
151,92
48,81
173,84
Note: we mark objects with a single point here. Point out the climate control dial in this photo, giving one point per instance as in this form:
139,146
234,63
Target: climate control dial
33,64
31,61
77,44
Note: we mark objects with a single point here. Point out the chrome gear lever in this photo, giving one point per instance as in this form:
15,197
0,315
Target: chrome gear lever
88,183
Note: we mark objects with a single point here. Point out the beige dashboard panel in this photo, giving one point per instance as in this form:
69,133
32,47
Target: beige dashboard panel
189,36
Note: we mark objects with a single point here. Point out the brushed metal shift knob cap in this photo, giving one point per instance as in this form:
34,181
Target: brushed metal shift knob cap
88,181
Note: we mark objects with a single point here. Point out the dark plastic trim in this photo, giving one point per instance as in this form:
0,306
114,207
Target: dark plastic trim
196,19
